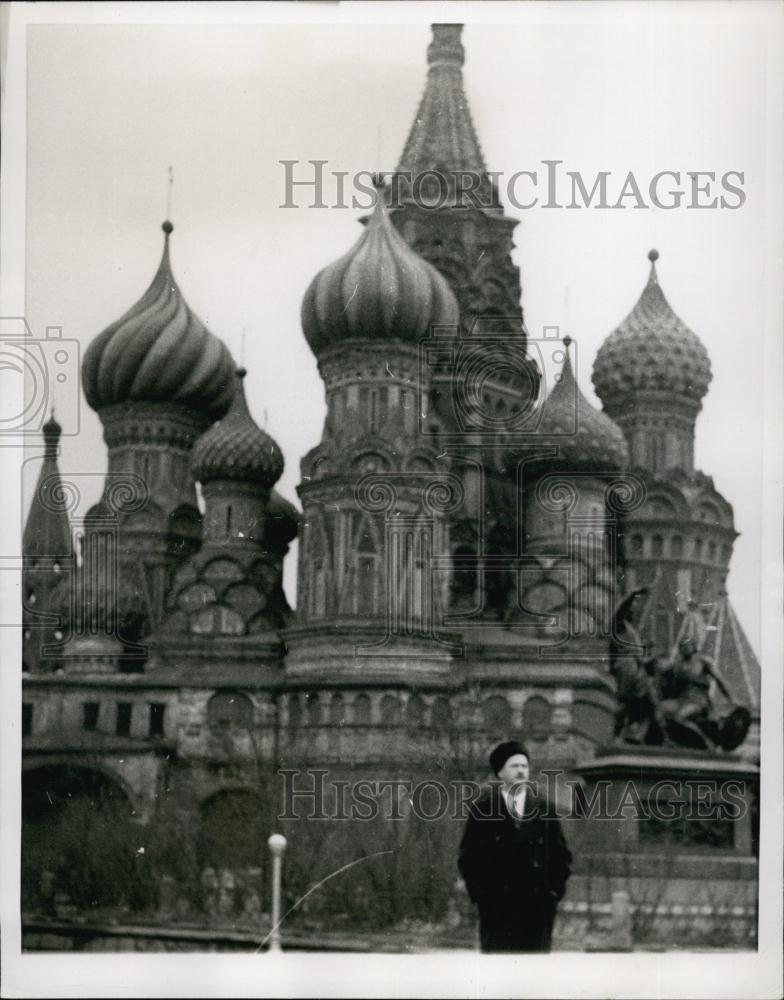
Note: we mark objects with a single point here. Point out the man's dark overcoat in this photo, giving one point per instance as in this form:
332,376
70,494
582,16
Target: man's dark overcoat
515,871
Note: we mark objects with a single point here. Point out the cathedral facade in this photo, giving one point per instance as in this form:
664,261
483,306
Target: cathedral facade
463,541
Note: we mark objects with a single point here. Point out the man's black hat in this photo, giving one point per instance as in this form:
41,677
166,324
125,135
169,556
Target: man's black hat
504,751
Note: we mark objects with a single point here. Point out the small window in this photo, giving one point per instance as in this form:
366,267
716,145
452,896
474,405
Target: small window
677,547
157,710
27,718
636,545
657,546
124,714
90,716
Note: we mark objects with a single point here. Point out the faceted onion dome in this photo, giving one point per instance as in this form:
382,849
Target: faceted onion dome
651,349
159,351
586,437
380,289
236,447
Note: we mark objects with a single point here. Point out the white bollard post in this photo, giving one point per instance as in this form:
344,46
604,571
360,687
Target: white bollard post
277,845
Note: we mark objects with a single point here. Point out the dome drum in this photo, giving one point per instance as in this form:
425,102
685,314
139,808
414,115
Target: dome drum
135,423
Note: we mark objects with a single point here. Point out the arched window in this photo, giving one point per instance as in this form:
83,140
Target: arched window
497,714
698,548
337,710
390,710
712,551
361,710
537,717
230,709
295,711
441,713
415,711
313,709
676,547
657,546
636,545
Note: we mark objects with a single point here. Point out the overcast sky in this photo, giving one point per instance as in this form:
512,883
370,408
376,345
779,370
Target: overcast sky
110,107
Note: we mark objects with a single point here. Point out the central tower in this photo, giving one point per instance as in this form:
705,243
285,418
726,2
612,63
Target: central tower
446,205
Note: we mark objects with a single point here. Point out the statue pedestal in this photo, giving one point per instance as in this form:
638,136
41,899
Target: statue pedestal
674,828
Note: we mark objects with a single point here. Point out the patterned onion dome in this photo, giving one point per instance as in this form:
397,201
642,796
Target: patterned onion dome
586,437
159,351
651,349
380,289
236,447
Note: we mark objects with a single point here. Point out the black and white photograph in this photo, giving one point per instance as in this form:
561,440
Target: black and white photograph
391,401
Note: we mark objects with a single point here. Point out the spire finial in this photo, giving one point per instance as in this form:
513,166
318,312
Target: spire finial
169,192
653,256
567,341
446,47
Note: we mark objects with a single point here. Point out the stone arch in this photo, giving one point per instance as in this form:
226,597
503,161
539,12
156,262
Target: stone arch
58,781
79,828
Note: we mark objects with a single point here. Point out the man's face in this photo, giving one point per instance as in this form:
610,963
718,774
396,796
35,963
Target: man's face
515,770
686,648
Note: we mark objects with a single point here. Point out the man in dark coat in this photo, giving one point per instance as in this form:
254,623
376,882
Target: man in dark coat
513,859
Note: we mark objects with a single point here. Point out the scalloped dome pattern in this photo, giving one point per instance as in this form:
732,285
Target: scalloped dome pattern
652,349
586,437
380,289
236,447
159,351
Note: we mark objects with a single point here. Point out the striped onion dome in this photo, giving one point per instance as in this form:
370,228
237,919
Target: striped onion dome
159,351
236,447
652,349
587,439
380,290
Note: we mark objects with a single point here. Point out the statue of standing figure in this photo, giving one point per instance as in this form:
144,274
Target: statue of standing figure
669,702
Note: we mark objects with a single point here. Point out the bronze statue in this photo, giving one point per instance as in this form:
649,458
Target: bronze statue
669,703
690,715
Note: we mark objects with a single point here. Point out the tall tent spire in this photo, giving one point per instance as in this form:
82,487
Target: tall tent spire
443,137
47,547
47,531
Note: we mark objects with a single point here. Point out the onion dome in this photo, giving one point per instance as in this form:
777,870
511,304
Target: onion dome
586,437
380,290
281,520
651,350
159,351
236,447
